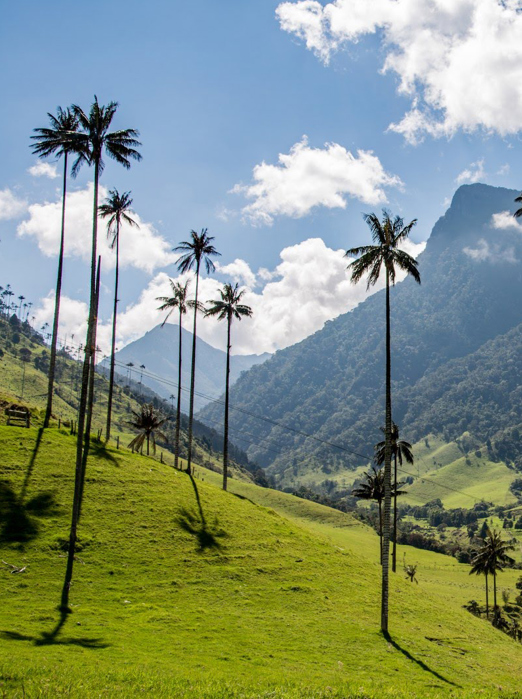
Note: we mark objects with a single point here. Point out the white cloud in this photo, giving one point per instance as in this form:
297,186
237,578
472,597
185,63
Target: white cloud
505,220
504,169
474,173
309,177
459,61
240,272
486,252
310,286
41,169
141,247
10,205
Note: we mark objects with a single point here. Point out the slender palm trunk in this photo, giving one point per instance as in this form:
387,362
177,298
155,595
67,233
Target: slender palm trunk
227,391
148,437
380,530
192,377
494,594
54,341
90,399
178,409
387,472
113,345
83,403
394,552
487,597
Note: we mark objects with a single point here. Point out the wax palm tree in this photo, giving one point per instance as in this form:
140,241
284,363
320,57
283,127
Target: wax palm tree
227,308
195,252
56,141
93,140
148,424
373,489
401,450
178,301
491,558
387,236
117,209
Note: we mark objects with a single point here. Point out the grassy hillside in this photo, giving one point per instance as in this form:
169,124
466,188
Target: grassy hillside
183,590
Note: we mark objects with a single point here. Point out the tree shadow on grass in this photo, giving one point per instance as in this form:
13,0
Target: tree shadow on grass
194,522
31,463
49,638
420,663
100,451
19,519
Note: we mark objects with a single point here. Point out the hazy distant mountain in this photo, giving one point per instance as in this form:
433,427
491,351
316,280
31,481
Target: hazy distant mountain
158,351
456,353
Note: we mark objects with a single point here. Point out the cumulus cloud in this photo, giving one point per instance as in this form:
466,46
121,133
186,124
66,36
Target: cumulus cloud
141,247
505,220
239,271
487,252
10,205
309,286
459,61
474,173
309,177
41,169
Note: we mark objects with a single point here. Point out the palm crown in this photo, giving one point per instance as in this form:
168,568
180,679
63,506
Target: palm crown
196,250
95,137
492,555
178,300
399,448
229,306
60,138
387,236
116,208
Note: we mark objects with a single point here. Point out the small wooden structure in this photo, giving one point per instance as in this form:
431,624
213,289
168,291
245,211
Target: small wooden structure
17,414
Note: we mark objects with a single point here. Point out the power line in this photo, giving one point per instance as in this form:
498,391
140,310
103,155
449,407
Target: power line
276,423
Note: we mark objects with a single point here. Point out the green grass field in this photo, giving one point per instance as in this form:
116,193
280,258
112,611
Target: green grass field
181,589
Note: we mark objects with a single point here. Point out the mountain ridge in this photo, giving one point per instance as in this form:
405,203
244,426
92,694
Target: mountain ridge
331,385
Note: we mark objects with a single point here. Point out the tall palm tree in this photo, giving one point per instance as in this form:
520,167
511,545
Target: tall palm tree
195,252
373,489
387,236
170,303
56,141
227,308
117,209
148,424
91,142
491,558
400,450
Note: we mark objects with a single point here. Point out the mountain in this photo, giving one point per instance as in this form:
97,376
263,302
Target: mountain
456,356
158,351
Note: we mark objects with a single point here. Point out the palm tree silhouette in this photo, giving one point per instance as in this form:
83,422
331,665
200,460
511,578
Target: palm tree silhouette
492,558
170,303
91,142
148,423
518,212
195,251
56,141
116,209
400,450
387,235
227,308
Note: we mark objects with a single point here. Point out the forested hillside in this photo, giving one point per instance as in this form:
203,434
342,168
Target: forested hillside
456,354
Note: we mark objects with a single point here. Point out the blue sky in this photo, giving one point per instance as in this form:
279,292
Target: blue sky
216,89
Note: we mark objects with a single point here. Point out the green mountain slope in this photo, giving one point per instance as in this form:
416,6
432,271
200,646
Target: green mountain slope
181,589
456,346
